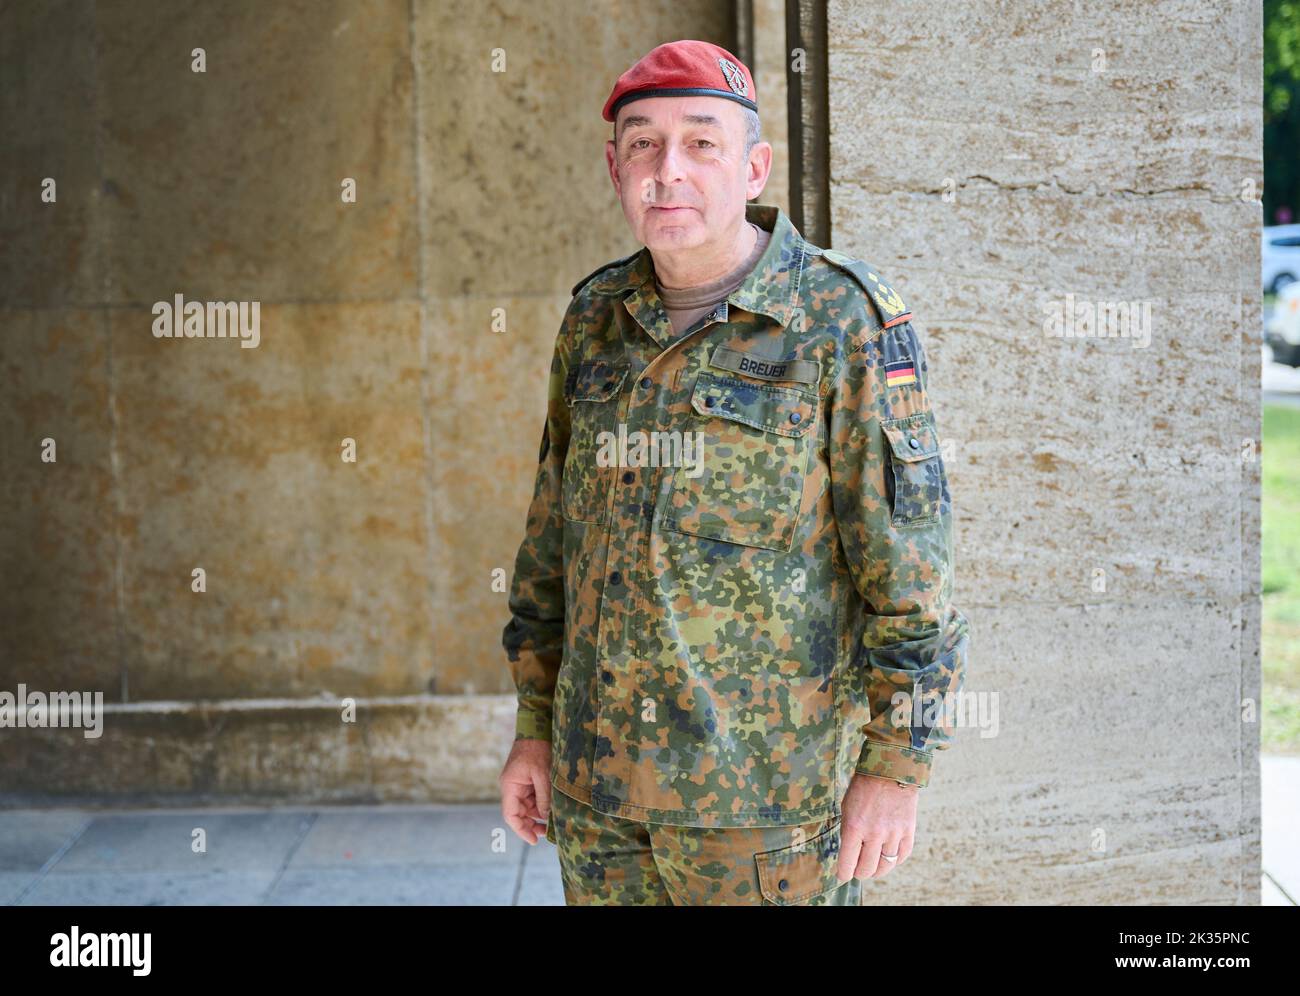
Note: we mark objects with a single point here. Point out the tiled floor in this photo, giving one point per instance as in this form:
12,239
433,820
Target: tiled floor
362,855
341,855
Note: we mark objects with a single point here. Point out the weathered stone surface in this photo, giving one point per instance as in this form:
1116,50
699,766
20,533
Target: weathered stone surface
1106,496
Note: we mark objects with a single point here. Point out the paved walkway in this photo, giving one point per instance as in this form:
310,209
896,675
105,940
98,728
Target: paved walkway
318,856
364,855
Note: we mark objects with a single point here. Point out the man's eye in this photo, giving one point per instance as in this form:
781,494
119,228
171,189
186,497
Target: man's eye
705,141
638,142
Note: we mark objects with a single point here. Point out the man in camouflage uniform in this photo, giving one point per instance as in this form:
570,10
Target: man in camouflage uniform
733,643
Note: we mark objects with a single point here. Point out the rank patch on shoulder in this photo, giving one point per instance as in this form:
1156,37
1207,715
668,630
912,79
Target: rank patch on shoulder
900,372
886,298
889,303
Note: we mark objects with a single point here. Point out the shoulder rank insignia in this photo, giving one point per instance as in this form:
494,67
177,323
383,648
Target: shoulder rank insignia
601,269
889,305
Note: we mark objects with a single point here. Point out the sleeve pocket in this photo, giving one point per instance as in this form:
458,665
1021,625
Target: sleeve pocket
919,484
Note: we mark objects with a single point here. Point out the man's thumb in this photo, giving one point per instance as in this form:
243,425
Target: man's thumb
542,790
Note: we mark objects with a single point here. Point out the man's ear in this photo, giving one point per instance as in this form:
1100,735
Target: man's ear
759,167
612,163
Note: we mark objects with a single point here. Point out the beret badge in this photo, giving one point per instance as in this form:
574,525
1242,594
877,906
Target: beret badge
734,77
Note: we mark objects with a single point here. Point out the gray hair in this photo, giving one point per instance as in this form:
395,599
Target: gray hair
753,129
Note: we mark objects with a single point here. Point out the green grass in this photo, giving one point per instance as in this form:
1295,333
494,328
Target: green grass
1280,576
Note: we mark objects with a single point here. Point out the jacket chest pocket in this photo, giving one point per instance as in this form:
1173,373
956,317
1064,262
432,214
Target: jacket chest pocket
749,450
591,392
916,468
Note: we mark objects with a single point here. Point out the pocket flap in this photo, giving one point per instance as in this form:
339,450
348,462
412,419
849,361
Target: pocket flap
791,875
912,438
786,411
594,380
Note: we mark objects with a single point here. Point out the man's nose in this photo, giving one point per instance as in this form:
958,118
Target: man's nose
670,164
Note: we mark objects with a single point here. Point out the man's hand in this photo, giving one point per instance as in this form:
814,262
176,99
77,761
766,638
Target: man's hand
879,817
525,784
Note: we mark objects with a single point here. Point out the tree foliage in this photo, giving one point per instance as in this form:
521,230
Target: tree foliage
1281,108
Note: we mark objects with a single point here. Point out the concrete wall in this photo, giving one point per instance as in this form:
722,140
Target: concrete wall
991,159
477,190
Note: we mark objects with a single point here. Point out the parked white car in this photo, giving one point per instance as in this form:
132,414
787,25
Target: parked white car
1282,330
1281,256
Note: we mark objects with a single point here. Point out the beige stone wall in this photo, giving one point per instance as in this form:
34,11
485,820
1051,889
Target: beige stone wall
769,66
480,194
991,159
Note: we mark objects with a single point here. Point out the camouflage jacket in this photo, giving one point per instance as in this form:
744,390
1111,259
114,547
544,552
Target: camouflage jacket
711,624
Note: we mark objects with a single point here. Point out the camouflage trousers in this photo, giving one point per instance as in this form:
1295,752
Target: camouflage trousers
609,861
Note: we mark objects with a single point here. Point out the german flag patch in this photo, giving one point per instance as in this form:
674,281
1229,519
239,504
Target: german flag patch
900,372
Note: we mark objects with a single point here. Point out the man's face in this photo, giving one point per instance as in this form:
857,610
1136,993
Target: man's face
681,171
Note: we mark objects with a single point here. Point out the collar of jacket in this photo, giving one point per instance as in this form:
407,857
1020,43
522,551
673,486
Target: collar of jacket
771,288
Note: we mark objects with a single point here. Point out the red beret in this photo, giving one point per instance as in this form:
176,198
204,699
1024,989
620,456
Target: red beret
685,68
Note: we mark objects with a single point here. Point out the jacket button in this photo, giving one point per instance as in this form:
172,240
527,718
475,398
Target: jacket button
606,676
615,578
913,443
646,382
783,885
708,402
628,477
795,416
